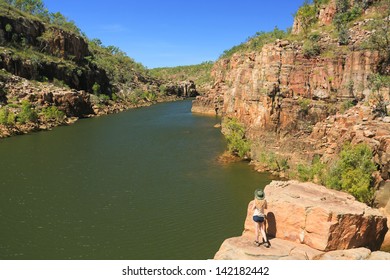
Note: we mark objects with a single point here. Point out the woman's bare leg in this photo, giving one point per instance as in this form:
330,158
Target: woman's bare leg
262,230
257,231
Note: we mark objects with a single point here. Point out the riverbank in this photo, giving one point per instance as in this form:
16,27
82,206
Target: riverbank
68,106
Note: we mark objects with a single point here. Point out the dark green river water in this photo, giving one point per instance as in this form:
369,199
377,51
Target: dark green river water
144,184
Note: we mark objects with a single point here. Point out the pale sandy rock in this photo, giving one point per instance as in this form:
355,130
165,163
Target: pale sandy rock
379,255
351,254
242,248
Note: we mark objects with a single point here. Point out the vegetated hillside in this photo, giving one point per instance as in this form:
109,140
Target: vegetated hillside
200,74
293,100
49,65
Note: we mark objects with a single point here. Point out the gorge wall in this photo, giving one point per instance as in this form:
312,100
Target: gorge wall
297,104
62,54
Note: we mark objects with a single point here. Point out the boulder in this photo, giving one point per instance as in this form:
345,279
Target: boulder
74,103
321,94
321,218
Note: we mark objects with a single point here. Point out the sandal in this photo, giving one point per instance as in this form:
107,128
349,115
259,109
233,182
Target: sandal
256,243
267,245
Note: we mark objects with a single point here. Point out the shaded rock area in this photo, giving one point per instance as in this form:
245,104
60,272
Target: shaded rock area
383,199
182,89
308,221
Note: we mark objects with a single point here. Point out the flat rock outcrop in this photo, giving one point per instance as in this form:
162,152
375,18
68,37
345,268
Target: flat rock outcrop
321,218
308,221
242,248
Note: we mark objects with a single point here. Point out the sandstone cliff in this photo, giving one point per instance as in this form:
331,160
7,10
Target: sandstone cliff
54,54
307,221
295,103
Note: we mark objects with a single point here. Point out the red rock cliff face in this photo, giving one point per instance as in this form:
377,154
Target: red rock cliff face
284,99
67,45
62,44
49,41
262,89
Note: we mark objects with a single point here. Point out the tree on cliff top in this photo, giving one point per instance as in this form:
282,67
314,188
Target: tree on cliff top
380,37
34,7
307,15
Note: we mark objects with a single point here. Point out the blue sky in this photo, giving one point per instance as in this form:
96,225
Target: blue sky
161,33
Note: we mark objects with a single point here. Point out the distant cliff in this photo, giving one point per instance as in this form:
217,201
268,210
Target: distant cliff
51,74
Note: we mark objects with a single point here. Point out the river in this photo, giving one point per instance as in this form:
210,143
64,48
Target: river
143,184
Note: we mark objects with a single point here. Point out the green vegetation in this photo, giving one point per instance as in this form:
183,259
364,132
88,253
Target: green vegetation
121,69
34,7
235,136
274,161
346,14
124,74
256,42
199,73
352,172
59,83
311,47
6,117
149,96
380,99
346,105
380,37
307,15
53,113
27,113
36,10
96,89
315,172
304,103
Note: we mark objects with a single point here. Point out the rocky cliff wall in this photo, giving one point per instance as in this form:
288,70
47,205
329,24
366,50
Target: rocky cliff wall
58,54
280,95
31,32
263,89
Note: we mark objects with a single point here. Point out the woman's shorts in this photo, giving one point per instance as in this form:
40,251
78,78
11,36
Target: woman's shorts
258,219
